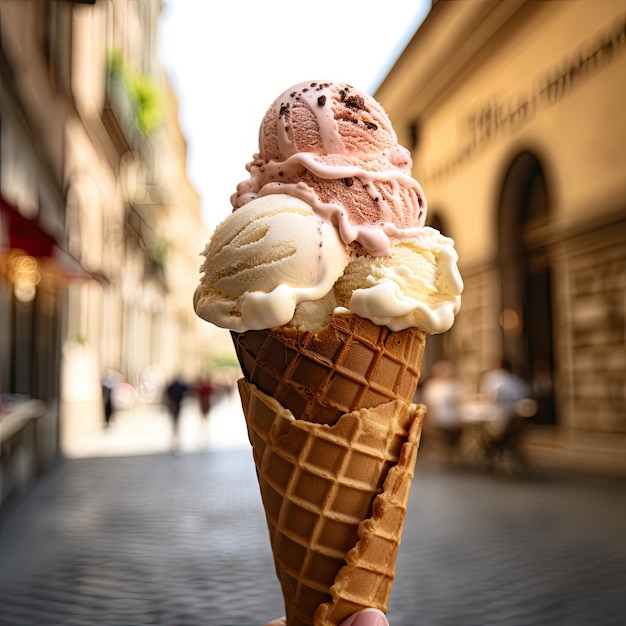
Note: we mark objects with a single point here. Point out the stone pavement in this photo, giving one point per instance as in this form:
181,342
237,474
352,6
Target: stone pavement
180,540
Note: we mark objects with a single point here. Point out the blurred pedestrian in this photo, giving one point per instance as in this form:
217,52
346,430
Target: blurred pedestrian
110,379
509,396
442,393
174,393
205,389
505,390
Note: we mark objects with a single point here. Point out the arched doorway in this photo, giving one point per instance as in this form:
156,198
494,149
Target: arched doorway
526,280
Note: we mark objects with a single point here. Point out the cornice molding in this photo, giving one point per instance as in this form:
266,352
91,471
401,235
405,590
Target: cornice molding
452,35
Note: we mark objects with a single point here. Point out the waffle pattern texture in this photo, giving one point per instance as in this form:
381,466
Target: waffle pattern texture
350,364
335,498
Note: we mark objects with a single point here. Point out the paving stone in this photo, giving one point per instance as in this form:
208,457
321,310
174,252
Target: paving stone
177,540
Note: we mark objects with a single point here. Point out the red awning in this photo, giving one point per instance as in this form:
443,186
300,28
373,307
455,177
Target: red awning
27,235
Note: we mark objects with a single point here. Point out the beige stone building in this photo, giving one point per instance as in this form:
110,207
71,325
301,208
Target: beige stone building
100,228
515,113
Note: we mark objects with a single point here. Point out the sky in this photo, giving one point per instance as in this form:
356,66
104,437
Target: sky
228,61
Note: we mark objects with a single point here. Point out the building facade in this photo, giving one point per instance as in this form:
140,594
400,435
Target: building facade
515,113
100,227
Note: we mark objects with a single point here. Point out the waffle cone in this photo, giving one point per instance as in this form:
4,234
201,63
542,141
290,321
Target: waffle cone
335,498
351,364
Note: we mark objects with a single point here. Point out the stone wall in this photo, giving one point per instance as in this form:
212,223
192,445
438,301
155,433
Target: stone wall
594,335
475,339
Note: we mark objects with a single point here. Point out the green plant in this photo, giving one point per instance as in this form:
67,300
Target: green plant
159,250
145,95
148,103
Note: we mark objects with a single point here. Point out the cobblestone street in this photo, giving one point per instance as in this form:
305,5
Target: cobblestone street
180,539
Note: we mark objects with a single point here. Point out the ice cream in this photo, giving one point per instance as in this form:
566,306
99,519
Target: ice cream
264,259
417,286
332,147
330,281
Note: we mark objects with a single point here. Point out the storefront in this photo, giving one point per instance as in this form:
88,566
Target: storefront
34,270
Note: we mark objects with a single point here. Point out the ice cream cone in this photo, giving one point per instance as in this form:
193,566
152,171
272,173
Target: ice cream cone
351,364
330,219
335,499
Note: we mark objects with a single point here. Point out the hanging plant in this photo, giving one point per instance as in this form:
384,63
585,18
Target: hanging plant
145,95
148,103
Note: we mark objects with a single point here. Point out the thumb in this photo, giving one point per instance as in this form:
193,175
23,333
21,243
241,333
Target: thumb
367,617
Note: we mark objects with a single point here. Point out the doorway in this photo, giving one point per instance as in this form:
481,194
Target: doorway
526,315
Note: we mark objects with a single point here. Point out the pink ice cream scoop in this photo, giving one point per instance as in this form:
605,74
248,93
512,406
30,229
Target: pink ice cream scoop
334,147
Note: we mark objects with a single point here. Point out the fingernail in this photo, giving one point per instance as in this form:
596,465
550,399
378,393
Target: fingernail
369,617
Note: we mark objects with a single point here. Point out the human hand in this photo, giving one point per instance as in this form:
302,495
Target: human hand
365,617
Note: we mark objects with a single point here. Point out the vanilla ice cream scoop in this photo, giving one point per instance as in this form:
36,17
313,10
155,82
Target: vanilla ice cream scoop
419,285
263,260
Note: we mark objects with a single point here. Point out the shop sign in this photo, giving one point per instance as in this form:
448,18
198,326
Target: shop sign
498,118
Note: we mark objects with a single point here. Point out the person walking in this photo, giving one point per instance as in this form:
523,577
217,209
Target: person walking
205,390
174,393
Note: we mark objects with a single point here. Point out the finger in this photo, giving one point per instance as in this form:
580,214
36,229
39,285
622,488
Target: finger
367,617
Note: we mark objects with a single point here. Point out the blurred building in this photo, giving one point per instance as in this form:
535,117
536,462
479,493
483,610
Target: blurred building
100,228
516,116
